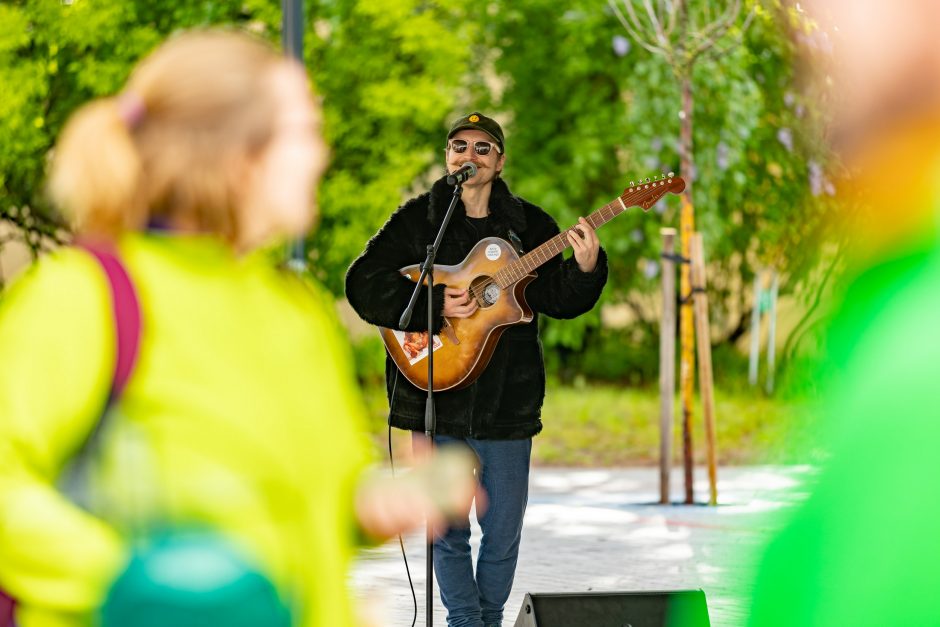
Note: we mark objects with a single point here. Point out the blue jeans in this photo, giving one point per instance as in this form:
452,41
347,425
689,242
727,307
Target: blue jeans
504,474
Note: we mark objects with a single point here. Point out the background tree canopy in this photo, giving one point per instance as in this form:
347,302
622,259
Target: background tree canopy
585,110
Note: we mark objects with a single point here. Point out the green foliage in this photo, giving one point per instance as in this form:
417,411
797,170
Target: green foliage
627,356
369,356
568,137
585,109
387,73
606,425
587,121
55,56
386,70
615,426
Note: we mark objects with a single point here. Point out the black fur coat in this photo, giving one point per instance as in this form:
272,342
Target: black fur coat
505,402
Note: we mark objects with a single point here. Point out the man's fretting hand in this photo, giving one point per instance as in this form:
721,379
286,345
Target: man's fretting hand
586,245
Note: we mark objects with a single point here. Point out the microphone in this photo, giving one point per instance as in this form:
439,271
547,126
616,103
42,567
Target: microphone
466,171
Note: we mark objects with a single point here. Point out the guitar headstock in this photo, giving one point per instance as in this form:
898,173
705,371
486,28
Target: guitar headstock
646,193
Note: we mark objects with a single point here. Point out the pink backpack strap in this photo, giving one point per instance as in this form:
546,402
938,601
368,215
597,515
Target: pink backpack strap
6,610
126,310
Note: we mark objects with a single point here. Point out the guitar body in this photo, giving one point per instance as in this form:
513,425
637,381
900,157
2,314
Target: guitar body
465,345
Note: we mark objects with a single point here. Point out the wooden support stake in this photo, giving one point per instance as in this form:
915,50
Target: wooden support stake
687,350
706,387
667,362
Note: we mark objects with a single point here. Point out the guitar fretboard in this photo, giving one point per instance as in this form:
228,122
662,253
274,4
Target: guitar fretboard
644,195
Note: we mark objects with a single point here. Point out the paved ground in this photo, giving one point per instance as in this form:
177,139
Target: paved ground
600,530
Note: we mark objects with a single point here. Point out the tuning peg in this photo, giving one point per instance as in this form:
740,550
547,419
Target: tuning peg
632,183
647,179
662,176
672,174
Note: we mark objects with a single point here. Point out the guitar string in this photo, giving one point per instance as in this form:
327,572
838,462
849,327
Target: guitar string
509,271
512,272
632,198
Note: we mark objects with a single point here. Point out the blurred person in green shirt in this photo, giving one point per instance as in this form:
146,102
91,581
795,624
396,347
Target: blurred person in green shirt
242,414
863,549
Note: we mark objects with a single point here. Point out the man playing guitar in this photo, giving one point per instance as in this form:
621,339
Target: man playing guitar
496,414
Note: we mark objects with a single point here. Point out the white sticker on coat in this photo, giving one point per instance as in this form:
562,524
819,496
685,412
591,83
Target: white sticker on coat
493,251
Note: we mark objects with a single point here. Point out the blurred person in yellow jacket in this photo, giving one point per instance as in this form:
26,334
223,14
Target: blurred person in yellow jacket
863,550
241,414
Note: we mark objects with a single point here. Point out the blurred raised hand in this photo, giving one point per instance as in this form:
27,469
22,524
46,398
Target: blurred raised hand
437,489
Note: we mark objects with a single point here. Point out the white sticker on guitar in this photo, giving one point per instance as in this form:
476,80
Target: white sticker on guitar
493,251
415,344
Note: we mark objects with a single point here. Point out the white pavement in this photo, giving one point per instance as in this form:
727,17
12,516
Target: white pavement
601,530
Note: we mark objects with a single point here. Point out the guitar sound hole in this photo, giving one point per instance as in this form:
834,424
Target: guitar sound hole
491,294
485,291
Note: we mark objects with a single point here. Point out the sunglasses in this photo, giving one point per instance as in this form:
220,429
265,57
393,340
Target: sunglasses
481,148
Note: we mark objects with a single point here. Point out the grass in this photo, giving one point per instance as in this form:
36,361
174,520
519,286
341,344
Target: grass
598,426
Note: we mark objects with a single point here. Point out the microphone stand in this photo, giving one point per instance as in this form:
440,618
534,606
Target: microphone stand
292,38
430,417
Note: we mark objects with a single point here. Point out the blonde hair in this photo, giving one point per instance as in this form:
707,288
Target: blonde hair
169,149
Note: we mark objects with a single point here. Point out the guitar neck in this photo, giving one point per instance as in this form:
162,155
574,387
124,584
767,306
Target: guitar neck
535,258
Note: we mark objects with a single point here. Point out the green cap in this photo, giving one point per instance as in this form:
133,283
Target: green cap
479,122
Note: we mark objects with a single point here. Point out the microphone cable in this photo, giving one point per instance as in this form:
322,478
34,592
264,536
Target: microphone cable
401,543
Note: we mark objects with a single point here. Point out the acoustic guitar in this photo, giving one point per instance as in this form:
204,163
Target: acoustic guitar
496,277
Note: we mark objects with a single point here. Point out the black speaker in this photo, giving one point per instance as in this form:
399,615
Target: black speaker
676,608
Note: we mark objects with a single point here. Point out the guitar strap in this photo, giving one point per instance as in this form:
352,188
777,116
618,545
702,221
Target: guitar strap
516,242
